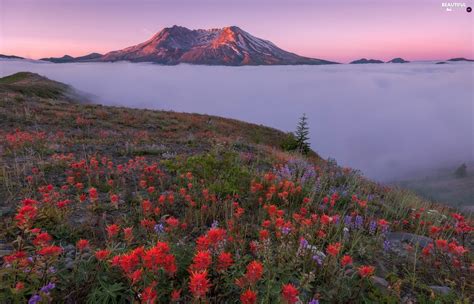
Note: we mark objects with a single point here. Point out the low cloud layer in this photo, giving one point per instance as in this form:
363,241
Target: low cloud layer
387,120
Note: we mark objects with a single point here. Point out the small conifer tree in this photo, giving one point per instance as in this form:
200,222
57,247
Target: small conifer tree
302,135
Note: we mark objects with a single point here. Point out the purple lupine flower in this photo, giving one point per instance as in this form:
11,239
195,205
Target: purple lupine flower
34,299
286,230
359,221
318,259
317,186
372,227
314,301
159,228
52,269
303,243
386,245
297,170
215,224
348,221
48,288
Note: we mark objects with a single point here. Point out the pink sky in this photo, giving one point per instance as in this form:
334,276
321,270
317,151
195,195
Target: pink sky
333,29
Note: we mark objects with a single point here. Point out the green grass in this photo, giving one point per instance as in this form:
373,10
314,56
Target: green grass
30,84
15,77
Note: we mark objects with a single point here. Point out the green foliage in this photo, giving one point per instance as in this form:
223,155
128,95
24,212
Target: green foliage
15,77
109,293
37,85
289,143
223,171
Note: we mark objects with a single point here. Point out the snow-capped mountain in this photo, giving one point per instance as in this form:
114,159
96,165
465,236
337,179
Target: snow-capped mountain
226,46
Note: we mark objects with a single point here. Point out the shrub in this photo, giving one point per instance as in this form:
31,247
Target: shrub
461,171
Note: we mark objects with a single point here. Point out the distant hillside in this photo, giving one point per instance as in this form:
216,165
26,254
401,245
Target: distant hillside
398,60
10,57
460,59
30,84
442,186
68,59
364,61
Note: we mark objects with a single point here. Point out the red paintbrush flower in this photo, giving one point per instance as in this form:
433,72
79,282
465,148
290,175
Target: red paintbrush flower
149,295
289,293
112,230
333,249
254,272
82,244
346,260
442,244
366,271
264,234
42,239
224,261
176,295
136,276
102,254
93,195
159,257
201,261
199,284
50,250
248,297
216,235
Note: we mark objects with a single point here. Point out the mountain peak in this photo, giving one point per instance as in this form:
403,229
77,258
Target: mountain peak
175,28
233,28
229,45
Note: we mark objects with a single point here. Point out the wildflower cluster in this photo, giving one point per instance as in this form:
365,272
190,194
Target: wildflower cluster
160,232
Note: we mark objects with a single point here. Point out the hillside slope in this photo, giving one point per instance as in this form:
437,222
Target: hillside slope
116,205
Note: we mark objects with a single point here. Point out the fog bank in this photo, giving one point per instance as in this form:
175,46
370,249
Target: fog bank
385,119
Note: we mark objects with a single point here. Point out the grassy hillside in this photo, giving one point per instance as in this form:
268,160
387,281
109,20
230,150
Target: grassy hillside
115,205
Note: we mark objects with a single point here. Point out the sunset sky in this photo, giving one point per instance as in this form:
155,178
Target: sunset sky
333,29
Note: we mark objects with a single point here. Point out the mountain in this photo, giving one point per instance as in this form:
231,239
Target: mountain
64,59
460,59
2,56
67,58
227,46
363,61
398,60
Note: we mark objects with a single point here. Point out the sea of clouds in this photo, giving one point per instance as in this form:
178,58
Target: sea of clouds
388,120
